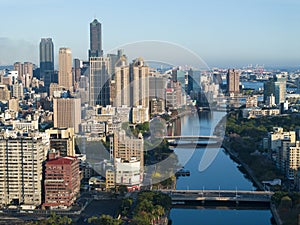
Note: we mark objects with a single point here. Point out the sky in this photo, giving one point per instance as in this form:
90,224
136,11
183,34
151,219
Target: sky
224,33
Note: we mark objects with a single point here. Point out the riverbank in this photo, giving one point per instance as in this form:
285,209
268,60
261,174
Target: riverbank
248,171
243,143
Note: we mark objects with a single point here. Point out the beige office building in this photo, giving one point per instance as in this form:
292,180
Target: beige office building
65,75
67,113
122,83
21,165
4,93
140,83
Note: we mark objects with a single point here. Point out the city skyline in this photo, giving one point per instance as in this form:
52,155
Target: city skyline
228,36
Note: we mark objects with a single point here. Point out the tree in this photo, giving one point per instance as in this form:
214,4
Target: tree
104,220
54,219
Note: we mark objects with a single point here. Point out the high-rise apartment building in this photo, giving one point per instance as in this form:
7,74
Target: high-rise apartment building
279,88
46,61
233,82
18,66
65,75
21,165
67,113
140,83
293,160
99,87
95,39
157,87
122,83
28,68
62,181
18,90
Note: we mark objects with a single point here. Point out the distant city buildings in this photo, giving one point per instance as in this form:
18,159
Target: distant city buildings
276,87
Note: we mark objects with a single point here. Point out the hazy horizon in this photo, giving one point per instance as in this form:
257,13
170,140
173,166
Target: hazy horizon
223,33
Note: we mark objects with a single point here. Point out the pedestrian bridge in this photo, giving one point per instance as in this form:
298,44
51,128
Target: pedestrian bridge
219,196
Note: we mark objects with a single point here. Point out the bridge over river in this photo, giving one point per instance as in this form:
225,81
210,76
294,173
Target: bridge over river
221,196
193,139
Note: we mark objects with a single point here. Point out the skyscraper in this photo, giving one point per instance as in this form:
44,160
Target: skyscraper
67,113
122,83
279,88
95,39
140,83
46,60
77,70
99,88
233,82
190,82
18,66
65,75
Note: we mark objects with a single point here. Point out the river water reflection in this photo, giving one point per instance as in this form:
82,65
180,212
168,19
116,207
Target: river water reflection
222,173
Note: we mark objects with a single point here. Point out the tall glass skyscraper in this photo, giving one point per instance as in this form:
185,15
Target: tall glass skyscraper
99,87
46,60
95,39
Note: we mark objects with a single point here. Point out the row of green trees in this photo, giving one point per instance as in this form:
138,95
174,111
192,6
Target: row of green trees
246,137
104,220
257,128
54,219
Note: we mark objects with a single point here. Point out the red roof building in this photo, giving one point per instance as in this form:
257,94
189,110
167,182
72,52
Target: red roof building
62,181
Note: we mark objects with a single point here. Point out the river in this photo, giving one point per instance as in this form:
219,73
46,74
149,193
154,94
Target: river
222,173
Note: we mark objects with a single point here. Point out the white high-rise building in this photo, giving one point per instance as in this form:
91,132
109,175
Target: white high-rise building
293,161
21,167
122,83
